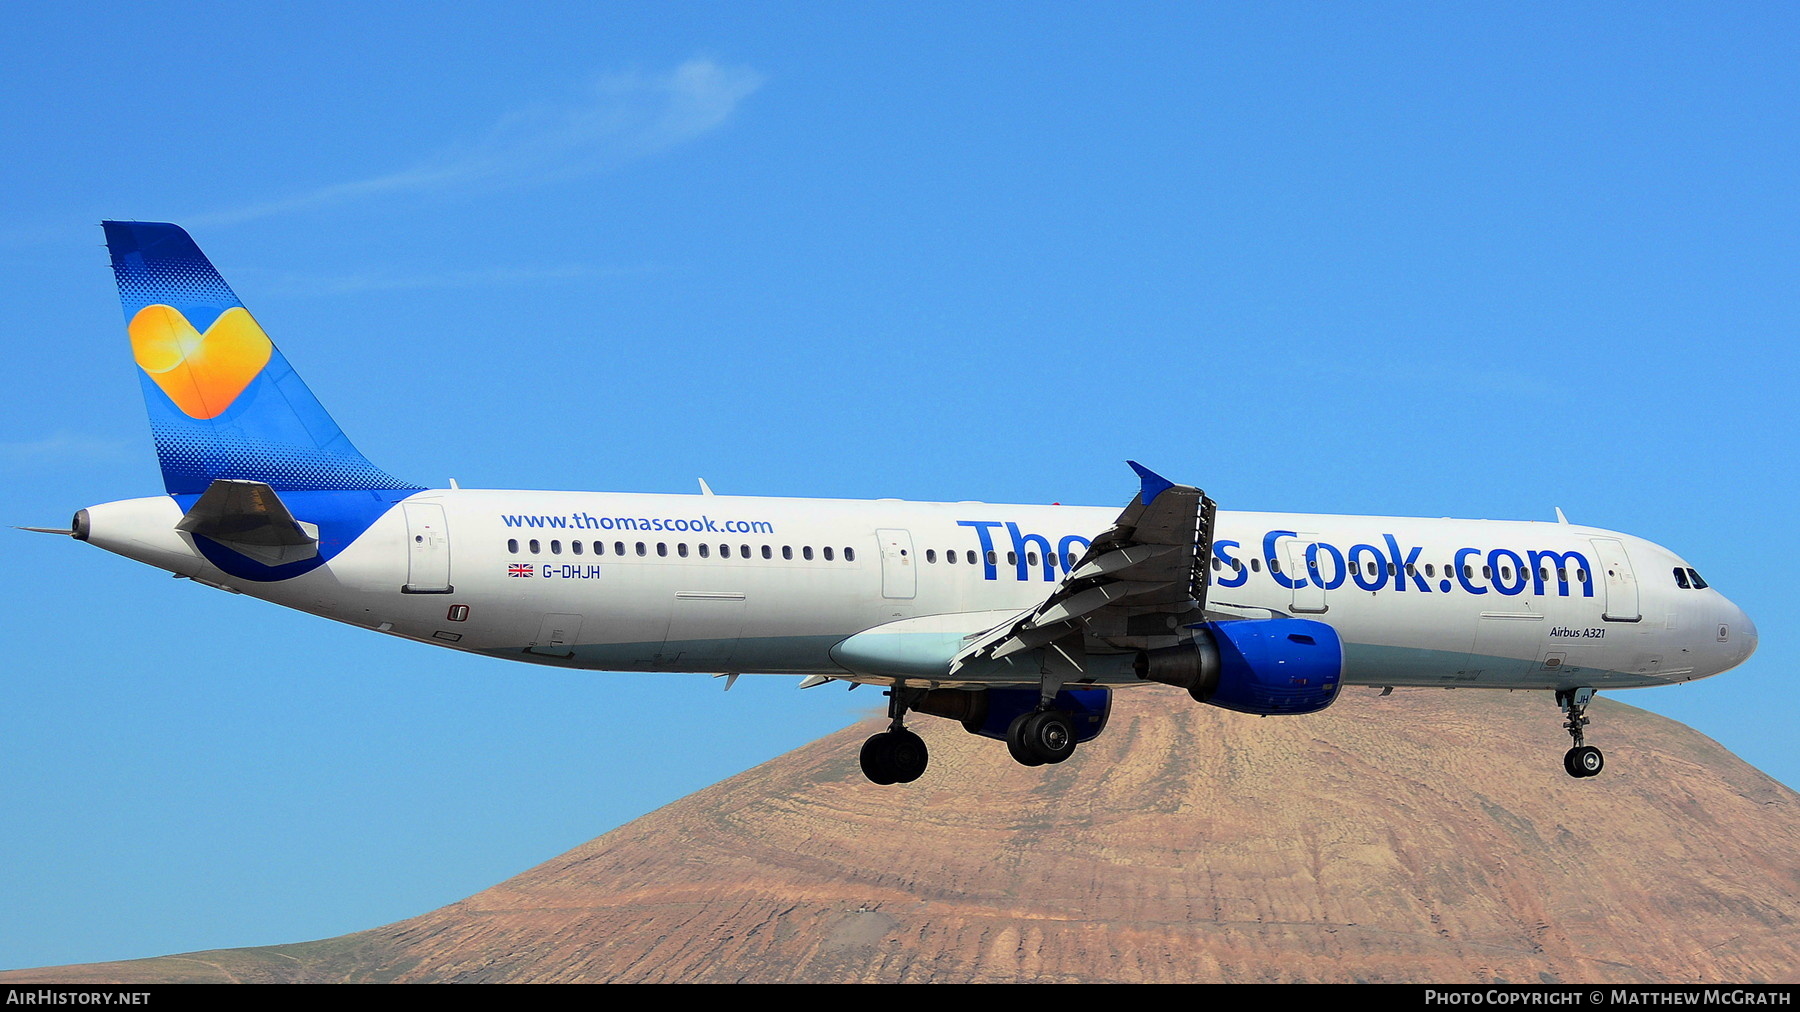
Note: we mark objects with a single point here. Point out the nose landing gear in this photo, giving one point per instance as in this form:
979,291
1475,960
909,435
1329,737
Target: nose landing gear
1583,760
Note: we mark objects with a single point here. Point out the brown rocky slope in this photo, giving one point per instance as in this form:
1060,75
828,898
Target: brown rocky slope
1423,836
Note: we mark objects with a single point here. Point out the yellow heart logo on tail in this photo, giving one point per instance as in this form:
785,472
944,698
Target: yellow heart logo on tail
201,373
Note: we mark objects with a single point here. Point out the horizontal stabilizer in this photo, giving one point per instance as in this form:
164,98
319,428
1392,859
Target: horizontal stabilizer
249,518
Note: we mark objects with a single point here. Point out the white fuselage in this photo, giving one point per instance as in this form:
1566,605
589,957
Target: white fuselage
632,582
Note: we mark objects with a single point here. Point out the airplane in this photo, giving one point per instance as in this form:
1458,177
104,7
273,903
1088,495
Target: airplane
1018,621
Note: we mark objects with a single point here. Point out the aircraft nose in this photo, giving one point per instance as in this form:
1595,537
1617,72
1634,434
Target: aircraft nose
1736,629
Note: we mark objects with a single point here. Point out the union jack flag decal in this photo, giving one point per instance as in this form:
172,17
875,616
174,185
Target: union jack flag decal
516,570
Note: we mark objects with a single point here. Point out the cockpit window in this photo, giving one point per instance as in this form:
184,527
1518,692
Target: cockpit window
1699,584
1681,579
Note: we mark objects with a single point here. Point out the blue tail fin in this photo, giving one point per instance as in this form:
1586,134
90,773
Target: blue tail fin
223,401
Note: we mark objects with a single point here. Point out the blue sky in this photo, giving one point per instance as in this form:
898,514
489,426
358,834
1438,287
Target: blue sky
1414,259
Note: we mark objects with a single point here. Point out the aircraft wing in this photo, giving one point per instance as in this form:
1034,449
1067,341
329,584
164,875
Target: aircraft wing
1135,587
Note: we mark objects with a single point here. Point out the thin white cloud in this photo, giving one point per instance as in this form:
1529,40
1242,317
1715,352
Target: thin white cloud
624,117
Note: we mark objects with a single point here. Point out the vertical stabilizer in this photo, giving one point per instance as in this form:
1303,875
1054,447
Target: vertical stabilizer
223,402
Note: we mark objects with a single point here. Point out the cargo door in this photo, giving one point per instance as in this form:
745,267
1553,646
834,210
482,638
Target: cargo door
556,636
703,629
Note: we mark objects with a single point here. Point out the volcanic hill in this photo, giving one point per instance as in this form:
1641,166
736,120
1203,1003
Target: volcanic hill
1424,836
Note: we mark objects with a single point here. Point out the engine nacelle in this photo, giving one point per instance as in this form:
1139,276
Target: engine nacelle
989,712
1262,666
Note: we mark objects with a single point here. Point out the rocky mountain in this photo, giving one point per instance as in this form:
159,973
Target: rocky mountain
1424,836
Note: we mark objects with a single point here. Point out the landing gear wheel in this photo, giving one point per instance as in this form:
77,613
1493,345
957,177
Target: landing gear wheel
1018,746
1046,736
877,759
1584,761
894,757
907,755
1052,734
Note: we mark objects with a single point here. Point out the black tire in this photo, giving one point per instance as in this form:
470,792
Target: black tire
1589,761
1569,766
907,756
1051,734
878,759
1016,744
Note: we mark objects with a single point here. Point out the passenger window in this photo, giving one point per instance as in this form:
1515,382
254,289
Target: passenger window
971,556
1012,558
787,552
512,545
1410,571
1562,575
930,554
575,546
1390,569
1274,565
1031,558
534,546
1699,584
705,550
1428,573
1051,558
849,555
806,553
950,557
744,550
827,551
767,552
662,549
619,548
1256,565
1681,579
1237,565
1581,576
1487,572
724,551
640,549
992,558
681,549
1216,564
1468,572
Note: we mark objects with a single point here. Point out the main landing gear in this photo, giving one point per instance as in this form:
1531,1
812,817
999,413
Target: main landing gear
1041,736
1582,760
896,756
